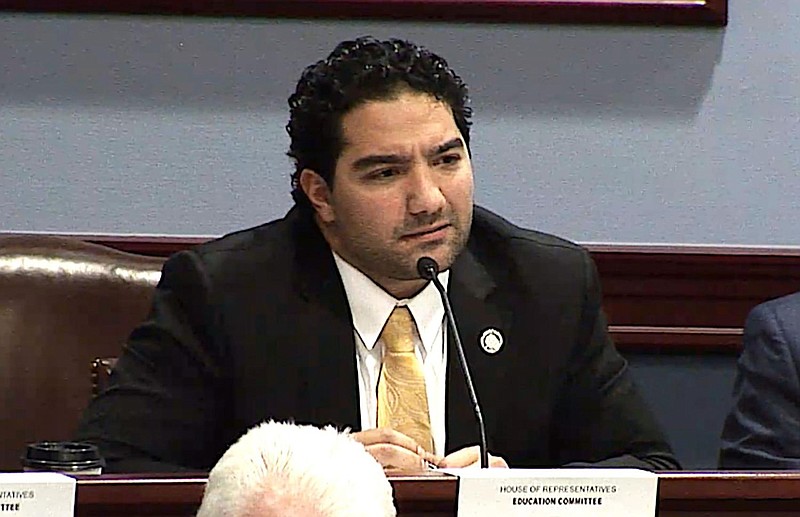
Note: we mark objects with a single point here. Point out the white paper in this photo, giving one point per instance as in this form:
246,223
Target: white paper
556,492
37,494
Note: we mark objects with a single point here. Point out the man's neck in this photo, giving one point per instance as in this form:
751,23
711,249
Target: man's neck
398,288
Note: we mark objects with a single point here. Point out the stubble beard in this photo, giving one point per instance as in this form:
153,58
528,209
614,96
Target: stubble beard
393,262
398,265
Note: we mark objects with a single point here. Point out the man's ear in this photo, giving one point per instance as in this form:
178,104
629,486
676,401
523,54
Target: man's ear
318,193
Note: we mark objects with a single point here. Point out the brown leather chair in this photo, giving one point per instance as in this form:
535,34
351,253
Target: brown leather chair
63,304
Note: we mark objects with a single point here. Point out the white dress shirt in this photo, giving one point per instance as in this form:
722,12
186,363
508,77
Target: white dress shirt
370,307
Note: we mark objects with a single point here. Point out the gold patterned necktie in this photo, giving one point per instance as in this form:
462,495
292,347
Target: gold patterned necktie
402,397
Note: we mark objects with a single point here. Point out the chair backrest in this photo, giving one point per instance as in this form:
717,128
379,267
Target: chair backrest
63,303
690,395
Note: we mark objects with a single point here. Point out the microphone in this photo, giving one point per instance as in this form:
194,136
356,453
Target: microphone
428,269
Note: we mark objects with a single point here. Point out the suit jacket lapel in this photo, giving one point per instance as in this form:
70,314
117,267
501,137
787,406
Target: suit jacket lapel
331,388
470,292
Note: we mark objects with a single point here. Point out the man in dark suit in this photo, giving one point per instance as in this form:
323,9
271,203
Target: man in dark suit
298,319
762,430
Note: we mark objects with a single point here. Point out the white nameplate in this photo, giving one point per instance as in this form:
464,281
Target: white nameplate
556,492
36,494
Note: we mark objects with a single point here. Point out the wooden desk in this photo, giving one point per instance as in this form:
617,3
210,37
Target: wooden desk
685,494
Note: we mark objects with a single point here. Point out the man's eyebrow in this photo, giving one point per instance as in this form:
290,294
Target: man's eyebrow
366,162
455,143
372,160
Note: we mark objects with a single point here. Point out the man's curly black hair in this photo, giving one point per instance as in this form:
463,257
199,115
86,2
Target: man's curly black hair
358,71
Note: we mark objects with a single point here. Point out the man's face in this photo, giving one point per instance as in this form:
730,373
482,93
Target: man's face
402,189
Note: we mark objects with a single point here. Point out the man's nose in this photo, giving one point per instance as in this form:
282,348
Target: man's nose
425,194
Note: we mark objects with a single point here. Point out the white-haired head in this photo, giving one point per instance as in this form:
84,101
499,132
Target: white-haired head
279,469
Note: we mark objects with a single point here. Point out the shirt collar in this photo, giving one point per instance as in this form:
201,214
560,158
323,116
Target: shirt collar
371,306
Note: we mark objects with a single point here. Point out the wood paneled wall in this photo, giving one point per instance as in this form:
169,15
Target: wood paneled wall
659,299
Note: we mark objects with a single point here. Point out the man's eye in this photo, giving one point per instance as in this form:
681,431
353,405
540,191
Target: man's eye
383,173
449,159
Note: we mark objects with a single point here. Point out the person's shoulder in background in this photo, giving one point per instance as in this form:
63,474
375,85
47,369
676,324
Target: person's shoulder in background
762,430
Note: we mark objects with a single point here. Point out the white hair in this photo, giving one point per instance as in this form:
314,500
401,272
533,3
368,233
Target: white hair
278,469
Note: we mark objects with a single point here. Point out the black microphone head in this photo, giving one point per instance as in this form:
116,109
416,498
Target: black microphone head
427,268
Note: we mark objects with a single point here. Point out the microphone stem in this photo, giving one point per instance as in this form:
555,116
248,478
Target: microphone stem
451,321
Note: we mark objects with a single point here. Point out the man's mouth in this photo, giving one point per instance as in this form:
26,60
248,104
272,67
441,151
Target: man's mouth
431,232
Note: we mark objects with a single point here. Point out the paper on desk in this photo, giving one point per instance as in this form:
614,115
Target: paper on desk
556,492
37,494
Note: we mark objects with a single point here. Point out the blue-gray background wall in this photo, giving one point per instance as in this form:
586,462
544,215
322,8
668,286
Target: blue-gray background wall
604,134
612,134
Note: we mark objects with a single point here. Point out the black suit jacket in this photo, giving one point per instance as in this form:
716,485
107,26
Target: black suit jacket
256,326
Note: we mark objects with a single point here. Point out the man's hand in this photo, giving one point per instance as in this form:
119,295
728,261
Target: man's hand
470,457
396,451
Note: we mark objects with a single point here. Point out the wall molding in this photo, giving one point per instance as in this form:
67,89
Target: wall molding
676,298
659,298
652,12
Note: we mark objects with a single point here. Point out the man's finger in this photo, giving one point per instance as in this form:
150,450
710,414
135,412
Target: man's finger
496,462
393,457
461,458
385,435
470,457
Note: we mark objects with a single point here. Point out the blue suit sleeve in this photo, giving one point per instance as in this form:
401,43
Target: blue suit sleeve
762,430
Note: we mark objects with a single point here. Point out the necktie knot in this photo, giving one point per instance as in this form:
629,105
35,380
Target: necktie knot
398,333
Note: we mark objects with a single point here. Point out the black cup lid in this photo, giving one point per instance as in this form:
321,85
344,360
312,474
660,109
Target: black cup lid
76,454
